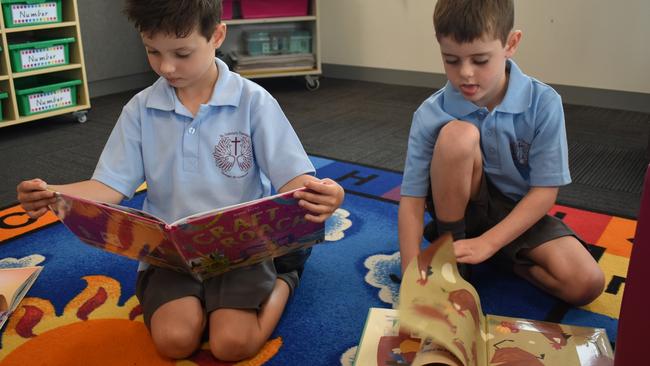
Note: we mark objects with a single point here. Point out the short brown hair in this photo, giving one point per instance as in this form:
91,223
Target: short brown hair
174,17
469,20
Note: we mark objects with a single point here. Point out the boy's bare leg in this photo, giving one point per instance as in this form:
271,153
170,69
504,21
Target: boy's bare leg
565,269
456,169
237,334
177,326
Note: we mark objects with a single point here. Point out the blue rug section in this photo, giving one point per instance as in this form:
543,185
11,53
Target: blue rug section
328,310
326,315
357,178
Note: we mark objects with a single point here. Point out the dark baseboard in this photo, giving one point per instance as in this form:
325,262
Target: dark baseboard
594,97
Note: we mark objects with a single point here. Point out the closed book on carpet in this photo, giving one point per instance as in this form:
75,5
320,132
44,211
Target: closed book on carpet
204,244
440,322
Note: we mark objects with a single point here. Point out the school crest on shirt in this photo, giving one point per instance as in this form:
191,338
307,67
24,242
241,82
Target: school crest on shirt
520,151
233,154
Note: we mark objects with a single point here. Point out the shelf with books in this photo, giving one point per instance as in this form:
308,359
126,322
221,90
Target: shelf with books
42,64
274,34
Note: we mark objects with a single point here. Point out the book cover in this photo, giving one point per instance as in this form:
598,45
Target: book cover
444,311
204,244
14,284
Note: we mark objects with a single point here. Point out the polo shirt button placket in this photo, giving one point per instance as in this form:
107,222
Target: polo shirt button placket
482,113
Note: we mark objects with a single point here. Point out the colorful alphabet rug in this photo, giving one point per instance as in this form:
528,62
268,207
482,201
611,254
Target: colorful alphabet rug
82,309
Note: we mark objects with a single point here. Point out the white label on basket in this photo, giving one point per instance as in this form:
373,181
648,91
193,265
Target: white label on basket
40,57
41,102
34,13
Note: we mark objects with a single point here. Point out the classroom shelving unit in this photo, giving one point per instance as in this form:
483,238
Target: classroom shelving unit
307,22
74,70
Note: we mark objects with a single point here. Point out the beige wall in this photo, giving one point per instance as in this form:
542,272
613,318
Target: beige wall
585,43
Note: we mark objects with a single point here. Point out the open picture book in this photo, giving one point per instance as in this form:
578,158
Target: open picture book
204,244
14,284
440,322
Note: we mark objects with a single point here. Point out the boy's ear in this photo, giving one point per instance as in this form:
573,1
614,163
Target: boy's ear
513,42
219,35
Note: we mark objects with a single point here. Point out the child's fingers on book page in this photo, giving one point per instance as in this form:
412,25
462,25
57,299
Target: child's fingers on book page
32,185
36,213
32,205
317,218
315,208
326,192
316,198
325,186
30,192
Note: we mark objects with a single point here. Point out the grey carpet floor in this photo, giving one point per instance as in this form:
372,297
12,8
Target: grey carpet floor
356,121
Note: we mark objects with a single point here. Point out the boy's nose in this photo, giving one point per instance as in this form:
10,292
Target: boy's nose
466,70
167,67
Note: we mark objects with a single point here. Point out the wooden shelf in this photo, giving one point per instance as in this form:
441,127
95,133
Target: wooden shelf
69,27
307,18
270,73
308,22
40,27
47,70
34,117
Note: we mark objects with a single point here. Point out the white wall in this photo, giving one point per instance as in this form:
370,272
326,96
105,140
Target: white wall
585,43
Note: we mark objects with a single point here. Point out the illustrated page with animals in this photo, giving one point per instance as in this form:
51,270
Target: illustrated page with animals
538,343
440,306
384,343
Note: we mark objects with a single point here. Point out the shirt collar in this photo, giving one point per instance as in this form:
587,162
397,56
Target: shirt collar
227,91
517,99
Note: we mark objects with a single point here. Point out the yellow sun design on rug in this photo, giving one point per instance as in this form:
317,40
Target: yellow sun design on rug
95,330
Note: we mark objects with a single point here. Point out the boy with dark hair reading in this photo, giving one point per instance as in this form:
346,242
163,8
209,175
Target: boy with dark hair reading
202,137
490,149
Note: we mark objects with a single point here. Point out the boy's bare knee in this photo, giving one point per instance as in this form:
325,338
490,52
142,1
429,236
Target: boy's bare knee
458,136
177,342
232,346
586,287
594,285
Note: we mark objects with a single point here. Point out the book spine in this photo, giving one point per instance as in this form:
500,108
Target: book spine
175,240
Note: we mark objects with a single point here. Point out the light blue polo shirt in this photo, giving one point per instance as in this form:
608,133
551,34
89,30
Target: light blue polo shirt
523,139
237,146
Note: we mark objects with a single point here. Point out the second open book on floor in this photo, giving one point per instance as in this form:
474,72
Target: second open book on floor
440,322
204,244
14,284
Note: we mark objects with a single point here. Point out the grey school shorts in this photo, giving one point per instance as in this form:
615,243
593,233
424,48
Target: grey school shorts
242,288
488,209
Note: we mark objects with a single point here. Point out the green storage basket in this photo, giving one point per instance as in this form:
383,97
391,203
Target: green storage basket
3,96
300,42
262,43
22,13
43,94
40,54
258,43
